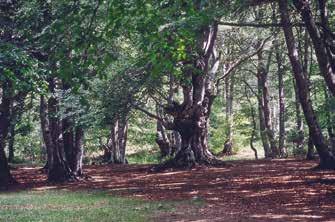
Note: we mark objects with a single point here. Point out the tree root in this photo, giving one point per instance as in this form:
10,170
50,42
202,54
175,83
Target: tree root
177,164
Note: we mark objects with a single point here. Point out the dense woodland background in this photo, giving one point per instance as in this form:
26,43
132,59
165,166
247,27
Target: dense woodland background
179,83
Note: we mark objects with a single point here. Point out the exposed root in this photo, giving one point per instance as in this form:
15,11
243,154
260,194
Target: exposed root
184,163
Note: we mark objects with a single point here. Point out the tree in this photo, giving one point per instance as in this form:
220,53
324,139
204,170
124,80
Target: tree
326,158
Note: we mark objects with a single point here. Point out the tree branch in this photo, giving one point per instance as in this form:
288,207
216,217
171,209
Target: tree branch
167,125
258,25
243,59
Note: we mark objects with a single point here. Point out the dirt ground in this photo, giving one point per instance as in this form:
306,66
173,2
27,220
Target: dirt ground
264,190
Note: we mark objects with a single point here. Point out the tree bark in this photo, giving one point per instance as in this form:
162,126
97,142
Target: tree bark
77,165
11,140
228,145
330,122
68,140
117,141
327,160
58,168
163,141
190,118
6,178
310,151
300,137
264,108
281,93
254,126
320,48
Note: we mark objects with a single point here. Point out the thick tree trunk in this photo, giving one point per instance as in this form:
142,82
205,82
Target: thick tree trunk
327,160
190,118
11,140
228,145
300,137
310,151
330,122
58,168
45,128
68,140
5,176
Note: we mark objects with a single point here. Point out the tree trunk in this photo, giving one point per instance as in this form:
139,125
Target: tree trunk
281,95
300,137
58,168
118,141
169,142
330,122
265,117
162,139
327,160
69,140
11,140
77,164
5,176
254,125
262,127
320,48
310,151
190,118
228,145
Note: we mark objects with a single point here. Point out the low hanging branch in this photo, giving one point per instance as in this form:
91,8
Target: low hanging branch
168,125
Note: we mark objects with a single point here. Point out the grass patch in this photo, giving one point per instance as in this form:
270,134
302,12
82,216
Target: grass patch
144,157
54,206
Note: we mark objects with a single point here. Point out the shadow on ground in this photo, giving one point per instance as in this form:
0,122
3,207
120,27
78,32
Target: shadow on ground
264,190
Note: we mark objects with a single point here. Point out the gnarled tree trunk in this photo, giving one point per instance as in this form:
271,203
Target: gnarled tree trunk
190,118
58,168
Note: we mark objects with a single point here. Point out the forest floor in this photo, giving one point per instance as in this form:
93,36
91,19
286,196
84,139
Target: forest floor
263,190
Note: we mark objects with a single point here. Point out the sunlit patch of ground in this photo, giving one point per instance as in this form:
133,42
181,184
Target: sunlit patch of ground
264,190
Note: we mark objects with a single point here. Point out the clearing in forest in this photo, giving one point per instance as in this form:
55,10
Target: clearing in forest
264,190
